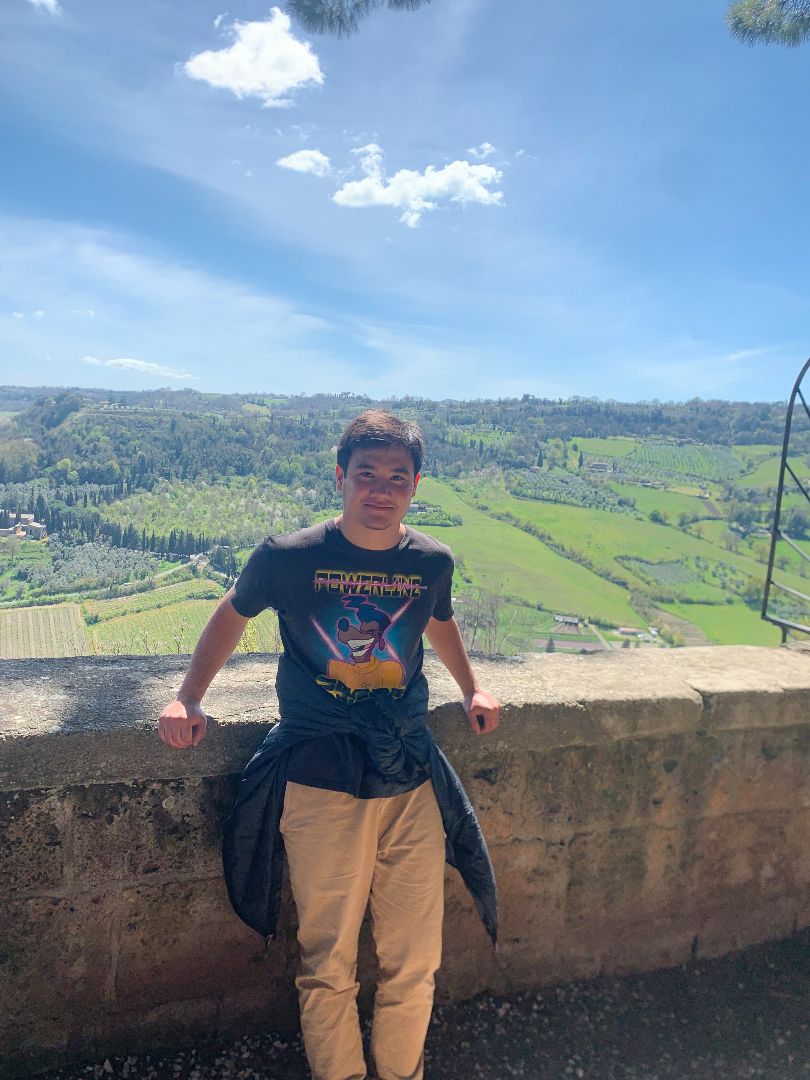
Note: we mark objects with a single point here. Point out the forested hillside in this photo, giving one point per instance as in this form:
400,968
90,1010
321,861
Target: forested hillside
191,481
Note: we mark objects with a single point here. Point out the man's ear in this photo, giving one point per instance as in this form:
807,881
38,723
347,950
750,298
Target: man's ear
416,480
338,478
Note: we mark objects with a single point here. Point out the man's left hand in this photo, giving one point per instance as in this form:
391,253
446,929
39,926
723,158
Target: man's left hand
482,711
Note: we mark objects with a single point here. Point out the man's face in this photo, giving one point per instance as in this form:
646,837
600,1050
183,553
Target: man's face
377,487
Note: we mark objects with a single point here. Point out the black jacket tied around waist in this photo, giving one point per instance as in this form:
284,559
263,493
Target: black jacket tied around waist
398,742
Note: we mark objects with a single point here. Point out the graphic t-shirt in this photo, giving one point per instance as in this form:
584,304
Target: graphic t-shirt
351,620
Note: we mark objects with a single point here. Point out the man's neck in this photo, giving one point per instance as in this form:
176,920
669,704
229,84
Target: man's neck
372,539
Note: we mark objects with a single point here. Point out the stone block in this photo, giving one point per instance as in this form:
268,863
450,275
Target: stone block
733,926
653,942
497,792
55,956
773,769
738,861
577,788
684,776
271,1006
183,940
532,881
33,834
468,958
125,831
167,1027
606,875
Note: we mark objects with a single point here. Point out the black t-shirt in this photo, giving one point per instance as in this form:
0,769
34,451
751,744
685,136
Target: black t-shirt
351,620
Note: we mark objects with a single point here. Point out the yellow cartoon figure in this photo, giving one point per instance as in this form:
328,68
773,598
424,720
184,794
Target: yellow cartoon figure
365,671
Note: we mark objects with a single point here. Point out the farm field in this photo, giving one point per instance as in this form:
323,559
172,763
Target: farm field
728,624
57,630
670,502
164,596
766,474
173,629
604,536
707,462
618,446
504,560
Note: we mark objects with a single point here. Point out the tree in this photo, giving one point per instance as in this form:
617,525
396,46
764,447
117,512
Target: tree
767,22
341,17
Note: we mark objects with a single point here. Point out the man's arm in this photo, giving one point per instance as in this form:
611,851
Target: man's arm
481,708
182,722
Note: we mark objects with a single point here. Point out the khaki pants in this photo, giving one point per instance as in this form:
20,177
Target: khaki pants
342,852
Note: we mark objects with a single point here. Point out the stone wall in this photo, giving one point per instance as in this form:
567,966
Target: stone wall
642,808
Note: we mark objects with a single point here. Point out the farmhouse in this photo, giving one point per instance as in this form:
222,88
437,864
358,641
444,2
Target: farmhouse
567,620
25,529
598,467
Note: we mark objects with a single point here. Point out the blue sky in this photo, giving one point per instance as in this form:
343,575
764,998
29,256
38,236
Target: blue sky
482,198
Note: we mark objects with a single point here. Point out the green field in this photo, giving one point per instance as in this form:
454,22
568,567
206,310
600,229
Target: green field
505,560
766,473
604,538
57,630
671,503
192,589
173,629
618,447
728,624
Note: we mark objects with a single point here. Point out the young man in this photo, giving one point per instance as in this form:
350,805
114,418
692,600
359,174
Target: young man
367,806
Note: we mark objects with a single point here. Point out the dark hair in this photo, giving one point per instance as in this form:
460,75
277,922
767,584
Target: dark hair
376,429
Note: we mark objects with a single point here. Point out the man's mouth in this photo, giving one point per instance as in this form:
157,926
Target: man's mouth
379,506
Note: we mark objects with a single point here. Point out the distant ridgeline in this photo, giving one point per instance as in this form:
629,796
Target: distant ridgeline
128,440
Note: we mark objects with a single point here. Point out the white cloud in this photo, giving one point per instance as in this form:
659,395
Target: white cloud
143,366
38,314
154,308
219,18
307,161
51,6
412,192
265,61
520,152
83,311
481,152
17,315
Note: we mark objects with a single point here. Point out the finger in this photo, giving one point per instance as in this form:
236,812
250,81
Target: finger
199,731
171,736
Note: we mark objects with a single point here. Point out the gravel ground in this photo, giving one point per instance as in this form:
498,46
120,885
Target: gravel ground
745,1015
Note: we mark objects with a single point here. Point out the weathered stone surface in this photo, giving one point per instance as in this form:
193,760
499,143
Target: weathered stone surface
55,956
34,829
181,940
640,808
684,775
125,831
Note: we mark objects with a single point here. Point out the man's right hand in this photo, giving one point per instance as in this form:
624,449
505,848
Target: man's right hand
182,724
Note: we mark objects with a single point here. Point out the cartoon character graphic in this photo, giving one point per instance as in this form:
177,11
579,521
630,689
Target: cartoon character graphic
365,671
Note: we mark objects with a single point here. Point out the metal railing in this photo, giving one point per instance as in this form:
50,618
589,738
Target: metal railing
777,534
